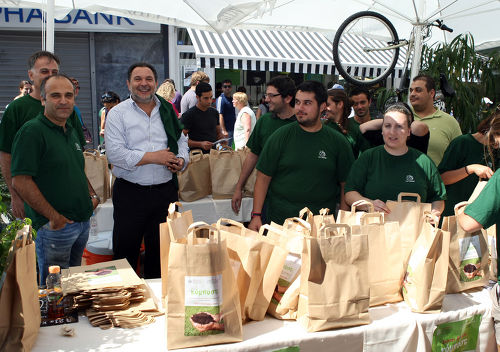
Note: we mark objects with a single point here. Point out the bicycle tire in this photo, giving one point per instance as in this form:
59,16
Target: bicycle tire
385,62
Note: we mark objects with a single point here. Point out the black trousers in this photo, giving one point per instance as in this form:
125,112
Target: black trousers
137,214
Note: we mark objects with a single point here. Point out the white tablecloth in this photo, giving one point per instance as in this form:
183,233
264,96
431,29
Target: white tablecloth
394,328
206,209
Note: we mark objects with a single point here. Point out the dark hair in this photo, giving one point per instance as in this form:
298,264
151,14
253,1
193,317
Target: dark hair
285,86
23,83
58,75
202,87
141,64
315,87
484,125
169,80
40,54
227,81
402,108
241,89
339,95
493,131
429,81
110,97
360,90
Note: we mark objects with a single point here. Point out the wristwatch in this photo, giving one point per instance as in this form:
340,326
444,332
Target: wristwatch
96,197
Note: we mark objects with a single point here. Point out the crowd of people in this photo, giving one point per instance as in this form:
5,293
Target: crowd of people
301,158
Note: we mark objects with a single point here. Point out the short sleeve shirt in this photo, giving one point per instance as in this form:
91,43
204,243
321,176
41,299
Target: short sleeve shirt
376,174
54,159
306,169
23,110
354,136
486,208
462,151
265,127
202,125
226,109
443,129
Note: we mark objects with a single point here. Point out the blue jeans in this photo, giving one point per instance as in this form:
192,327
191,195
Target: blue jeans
63,247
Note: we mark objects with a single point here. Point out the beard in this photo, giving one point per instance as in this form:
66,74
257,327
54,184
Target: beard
139,99
307,123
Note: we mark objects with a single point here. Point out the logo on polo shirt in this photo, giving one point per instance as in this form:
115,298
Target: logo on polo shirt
410,179
77,147
321,154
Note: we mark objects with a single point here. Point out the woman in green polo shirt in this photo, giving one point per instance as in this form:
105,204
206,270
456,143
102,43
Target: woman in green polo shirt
468,159
337,114
382,172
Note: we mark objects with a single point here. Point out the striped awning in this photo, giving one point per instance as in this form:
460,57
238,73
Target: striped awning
264,50
280,51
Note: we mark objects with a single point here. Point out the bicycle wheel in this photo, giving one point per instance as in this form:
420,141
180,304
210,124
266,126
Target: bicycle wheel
360,48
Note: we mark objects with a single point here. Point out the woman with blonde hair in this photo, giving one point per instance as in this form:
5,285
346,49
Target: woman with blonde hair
469,158
245,121
167,91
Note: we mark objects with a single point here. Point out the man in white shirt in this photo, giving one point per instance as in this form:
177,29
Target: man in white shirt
146,146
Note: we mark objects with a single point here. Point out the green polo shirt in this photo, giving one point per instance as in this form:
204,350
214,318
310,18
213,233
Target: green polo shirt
443,128
21,111
354,136
306,170
54,158
462,151
376,174
265,126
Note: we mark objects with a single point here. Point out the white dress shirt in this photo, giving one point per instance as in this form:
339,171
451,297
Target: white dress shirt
130,133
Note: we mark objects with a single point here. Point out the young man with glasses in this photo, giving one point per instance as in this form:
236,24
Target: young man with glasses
280,93
227,113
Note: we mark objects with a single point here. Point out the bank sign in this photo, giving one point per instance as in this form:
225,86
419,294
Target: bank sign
75,21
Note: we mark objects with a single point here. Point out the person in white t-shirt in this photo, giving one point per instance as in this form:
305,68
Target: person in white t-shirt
245,121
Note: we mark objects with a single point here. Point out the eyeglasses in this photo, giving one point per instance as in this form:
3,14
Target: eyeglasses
226,86
270,95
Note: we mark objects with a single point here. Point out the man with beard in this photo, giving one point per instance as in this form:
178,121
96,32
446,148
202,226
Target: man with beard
361,100
145,144
280,93
302,164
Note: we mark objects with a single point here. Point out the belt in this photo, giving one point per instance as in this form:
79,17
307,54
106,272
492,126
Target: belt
146,187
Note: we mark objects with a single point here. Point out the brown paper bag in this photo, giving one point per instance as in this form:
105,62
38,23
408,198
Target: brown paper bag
19,306
225,169
353,217
289,238
385,262
97,171
469,256
203,305
194,181
272,272
249,256
334,287
479,187
491,235
409,215
426,275
248,187
179,223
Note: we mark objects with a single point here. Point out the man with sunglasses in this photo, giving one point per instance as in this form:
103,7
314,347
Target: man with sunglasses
280,94
227,113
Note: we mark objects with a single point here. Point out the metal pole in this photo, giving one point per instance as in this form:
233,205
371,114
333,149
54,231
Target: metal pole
417,52
49,45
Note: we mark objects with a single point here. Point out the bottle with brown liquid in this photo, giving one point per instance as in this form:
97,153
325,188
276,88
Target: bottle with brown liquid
55,293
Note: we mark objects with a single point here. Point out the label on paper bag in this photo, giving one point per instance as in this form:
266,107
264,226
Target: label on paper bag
290,271
102,276
457,336
470,259
202,301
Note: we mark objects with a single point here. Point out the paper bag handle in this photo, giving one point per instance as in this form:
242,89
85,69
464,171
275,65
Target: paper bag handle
195,154
229,221
460,205
195,227
366,216
429,216
360,202
306,211
268,228
324,211
408,194
325,227
299,221
171,208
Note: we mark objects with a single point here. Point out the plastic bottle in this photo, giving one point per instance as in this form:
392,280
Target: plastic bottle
55,293
93,225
